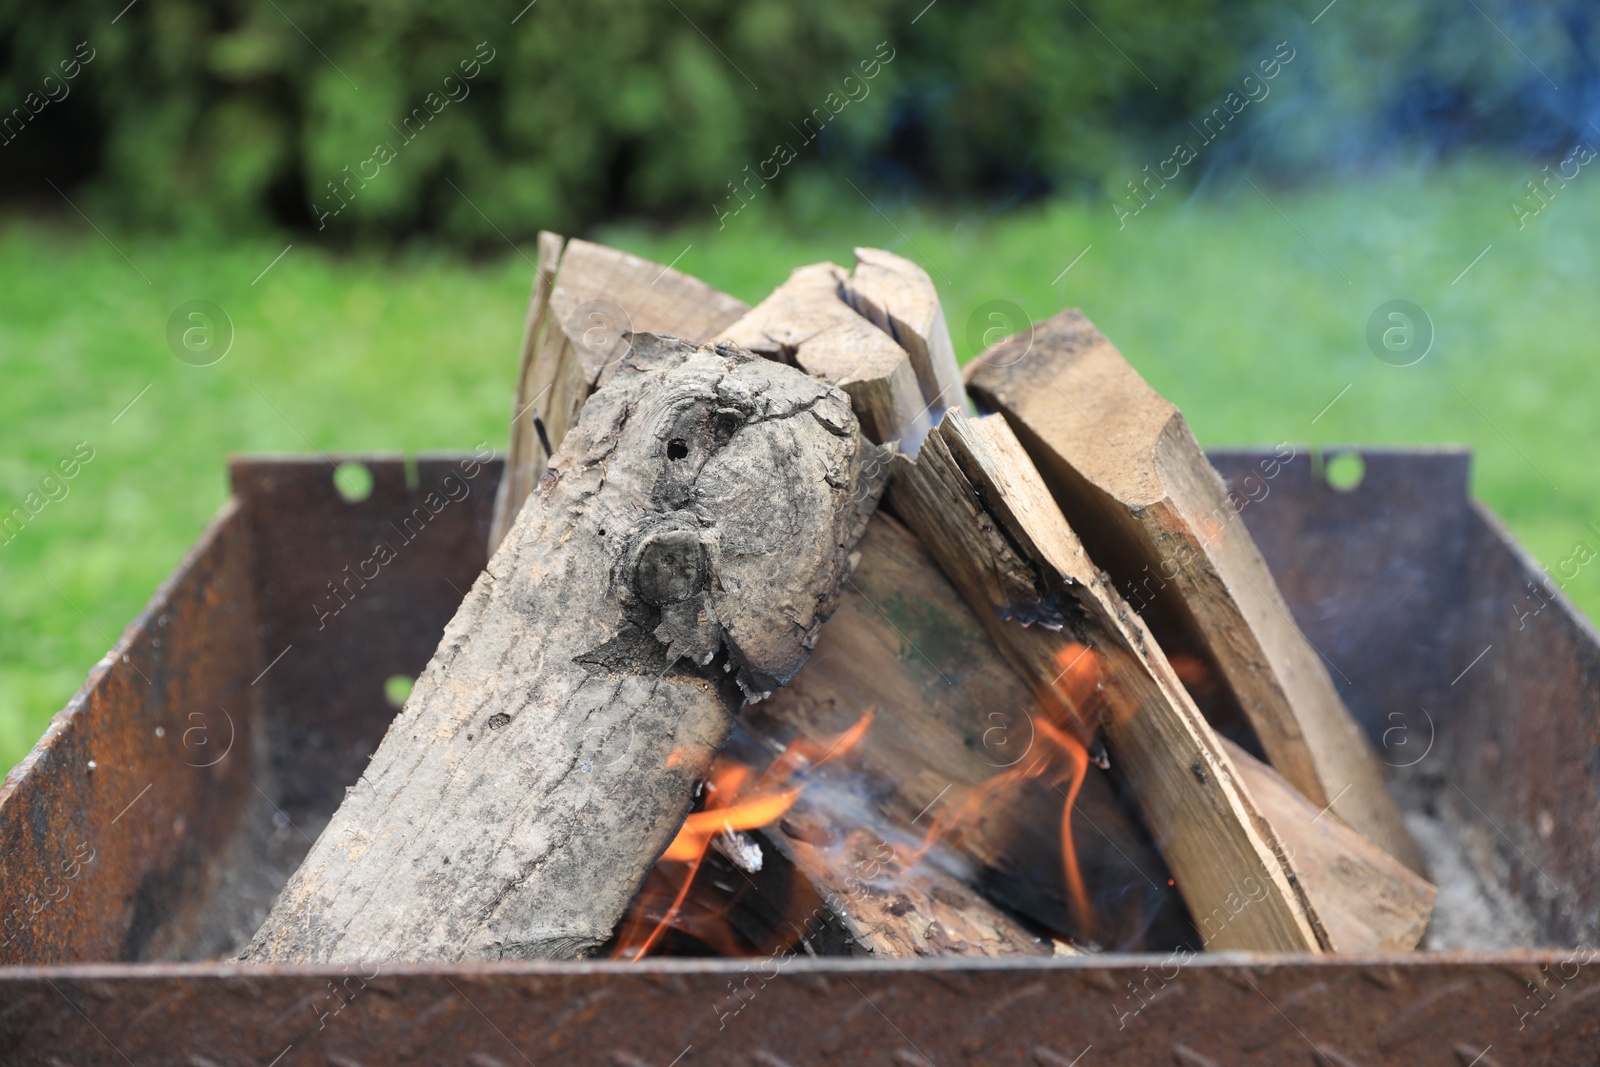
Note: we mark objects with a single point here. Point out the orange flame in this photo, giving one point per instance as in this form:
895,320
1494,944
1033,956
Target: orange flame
1068,711
1074,697
731,804
1069,708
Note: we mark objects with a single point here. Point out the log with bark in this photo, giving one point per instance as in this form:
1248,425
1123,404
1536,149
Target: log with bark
680,555
1135,485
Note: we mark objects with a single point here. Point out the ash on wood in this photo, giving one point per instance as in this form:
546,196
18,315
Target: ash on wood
983,512
587,299
1134,484
697,520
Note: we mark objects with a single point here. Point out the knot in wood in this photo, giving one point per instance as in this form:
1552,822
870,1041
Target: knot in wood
669,567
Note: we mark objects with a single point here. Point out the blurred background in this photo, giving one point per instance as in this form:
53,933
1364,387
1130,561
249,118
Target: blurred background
1236,193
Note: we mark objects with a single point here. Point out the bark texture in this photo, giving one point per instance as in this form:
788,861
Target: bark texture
696,521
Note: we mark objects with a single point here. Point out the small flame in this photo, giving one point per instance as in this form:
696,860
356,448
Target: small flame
802,755
1074,697
732,803
702,826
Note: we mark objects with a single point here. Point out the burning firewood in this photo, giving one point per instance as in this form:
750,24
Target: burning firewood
981,509
699,511
893,901
1236,818
551,750
586,299
1134,484
963,757
890,897
854,883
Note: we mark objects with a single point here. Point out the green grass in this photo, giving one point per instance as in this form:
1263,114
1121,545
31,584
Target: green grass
1252,327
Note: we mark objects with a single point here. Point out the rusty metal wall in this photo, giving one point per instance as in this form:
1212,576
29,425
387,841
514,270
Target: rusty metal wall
1089,1012
1370,573
111,828
351,594
1530,759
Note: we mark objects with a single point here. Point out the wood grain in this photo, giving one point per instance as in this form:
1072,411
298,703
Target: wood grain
1368,901
954,745
1133,482
892,907
983,512
806,322
900,299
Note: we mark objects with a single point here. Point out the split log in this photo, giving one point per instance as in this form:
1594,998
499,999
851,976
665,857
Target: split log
899,297
982,510
1368,901
578,320
806,322
550,751
1134,484
953,749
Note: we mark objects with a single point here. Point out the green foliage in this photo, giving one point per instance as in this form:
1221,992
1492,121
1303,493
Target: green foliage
233,113
1058,93
246,110
242,111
